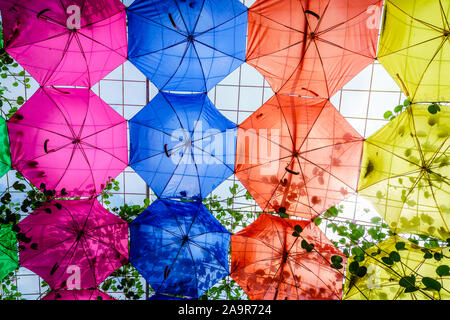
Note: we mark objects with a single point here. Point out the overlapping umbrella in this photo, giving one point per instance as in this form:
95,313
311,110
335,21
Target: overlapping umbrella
5,156
269,263
68,139
187,45
401,278
312,48
179,247
9,259
66,43
406,172
182,146
415,49
75,295
75,244
298,155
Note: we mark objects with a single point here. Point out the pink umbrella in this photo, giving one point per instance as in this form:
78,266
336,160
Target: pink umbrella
75,244
68,43
68,139
86,294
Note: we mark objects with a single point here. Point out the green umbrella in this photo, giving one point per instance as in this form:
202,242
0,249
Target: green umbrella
5,155
8,251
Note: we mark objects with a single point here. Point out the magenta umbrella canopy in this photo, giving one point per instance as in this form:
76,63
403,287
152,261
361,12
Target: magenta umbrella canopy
86,294
68,139
66,42
75,244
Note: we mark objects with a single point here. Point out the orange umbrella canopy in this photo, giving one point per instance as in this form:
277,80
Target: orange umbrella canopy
298,155
312,48
269,263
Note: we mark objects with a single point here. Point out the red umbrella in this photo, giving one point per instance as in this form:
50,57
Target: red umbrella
312,48
298,154
269,263
68,139
66,42
74,244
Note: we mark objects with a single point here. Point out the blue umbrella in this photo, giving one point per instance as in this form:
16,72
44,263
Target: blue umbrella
179,248
182,146
187,45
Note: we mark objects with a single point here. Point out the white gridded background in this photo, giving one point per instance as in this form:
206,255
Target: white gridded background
362,102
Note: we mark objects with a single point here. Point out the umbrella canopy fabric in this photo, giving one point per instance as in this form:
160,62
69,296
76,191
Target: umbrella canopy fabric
414,48
383,282
405,172
187,45
9,259
312,48
298,154
182,146
75,244
5,155
179,248
269,263
66,43
166,297
74,295
68,139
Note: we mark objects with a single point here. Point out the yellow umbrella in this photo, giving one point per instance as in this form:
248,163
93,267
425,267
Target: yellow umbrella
405,172
415,47
397,269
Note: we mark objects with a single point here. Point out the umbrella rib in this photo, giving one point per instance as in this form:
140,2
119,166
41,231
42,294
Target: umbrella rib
344,22
342,48
443,16
90,262
326,170
429,25
195,267
155,22
210,154
299,64
178,67
156,129
86,62
212,254
102,44
277,51
69,126
89,165
220,51
277,22
176,220
146,253
435,200
393,177
438,150
403,202
198,17
156,51
428,66
67,167
65,50
314,124
39,41
263,164
201,66
293,139
391,152
39,128
253,263
323,69
322,17
411,46
220,24
104,151
306,188
317,277
103,130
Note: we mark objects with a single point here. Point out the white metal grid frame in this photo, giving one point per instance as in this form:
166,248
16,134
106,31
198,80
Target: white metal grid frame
363,102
